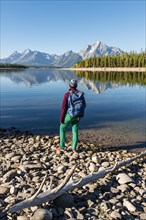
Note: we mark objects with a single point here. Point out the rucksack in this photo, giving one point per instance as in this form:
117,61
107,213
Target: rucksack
76,104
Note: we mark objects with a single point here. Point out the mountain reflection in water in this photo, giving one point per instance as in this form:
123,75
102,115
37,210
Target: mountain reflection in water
98,82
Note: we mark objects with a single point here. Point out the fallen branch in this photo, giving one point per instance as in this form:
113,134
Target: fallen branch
23,167
50,195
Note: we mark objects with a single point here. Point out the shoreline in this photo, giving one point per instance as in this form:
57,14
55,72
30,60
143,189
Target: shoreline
109,69
103,139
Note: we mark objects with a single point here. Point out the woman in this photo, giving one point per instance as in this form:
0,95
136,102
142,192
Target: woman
72,110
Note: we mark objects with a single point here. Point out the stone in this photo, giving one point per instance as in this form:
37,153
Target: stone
64,201
10,155
123,187
16,158
79,215
9,175
114,190
42,214
69,213
104,206
9,199
123,178
4,190
96,159
115,215
13,190
61,169
114,201
105,164
90,203
143,216
92,167
20,217
129,206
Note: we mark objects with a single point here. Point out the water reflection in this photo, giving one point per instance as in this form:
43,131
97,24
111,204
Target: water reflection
122,78
98,82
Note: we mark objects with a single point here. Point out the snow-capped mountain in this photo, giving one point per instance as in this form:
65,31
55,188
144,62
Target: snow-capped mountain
98,49
29,57
12,57
68,59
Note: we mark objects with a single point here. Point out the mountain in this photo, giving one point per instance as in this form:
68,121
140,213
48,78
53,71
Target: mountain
29,57
98,49
68,59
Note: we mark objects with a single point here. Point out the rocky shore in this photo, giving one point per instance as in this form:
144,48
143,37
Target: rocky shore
26,158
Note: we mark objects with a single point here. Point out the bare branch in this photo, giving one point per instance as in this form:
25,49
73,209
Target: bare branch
71,185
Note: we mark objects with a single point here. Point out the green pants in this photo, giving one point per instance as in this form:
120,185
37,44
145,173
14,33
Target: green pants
74,122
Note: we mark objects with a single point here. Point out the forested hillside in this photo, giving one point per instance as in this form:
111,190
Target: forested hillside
125,60
10,65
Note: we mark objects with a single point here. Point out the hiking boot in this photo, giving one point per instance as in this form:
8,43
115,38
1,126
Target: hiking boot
58,148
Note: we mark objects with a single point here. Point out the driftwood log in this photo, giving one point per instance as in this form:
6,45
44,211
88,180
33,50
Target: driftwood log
23,167
68,184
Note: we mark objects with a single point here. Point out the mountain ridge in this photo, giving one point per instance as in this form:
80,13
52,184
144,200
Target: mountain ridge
67,59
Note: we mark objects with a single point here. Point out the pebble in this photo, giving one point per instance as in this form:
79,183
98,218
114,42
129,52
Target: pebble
22,218
123,178
129,206
115,215
65,201
143,216
42,214
4,190
118,195
105,164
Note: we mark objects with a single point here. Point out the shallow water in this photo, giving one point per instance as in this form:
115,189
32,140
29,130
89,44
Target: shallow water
31,100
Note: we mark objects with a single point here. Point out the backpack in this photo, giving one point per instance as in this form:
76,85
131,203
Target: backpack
76,104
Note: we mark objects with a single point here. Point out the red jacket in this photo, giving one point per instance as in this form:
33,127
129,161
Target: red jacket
64,107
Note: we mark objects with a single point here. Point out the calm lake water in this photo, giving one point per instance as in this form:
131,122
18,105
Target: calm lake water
31,100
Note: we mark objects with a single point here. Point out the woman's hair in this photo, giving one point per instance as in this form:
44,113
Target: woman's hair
73,89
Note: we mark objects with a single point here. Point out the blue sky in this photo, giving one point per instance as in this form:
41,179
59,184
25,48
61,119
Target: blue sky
58,26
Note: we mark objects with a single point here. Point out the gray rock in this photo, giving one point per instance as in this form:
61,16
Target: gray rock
105,164
123,178
90,203
10,155
69,214
96,159
129,206
22,217
9,175
92,167
65,201
4,190
123,187
79,215
115,215
143,216
42,214
16,158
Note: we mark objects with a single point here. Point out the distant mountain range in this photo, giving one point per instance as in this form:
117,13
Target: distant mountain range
68,59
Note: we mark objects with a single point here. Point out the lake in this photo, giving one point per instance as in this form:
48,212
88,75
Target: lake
116,102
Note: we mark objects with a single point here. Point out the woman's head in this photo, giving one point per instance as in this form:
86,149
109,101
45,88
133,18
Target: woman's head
73,84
